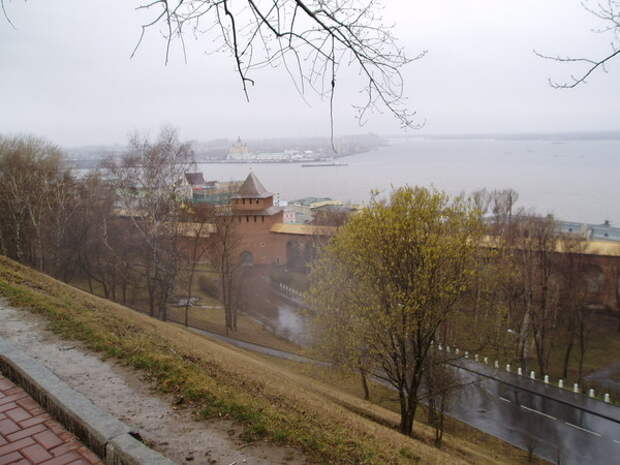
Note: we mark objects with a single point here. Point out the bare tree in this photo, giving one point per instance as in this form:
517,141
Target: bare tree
536,245
608,11
331,217
224,254
31,171
149,184
310,39
482,199
198,227
440,382
572,270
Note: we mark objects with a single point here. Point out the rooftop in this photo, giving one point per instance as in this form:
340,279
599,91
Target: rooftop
195,179
303,229
252,188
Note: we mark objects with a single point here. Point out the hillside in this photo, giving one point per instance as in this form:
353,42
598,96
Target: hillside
271,401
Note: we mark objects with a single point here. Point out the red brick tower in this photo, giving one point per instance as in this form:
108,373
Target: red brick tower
253,207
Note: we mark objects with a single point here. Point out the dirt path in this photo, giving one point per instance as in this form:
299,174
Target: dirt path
114,388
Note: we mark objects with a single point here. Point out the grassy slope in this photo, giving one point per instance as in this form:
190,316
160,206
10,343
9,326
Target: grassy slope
271,401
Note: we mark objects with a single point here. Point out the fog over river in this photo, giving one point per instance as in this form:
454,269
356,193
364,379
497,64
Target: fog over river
574,179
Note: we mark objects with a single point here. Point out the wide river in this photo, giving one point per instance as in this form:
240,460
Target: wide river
574,180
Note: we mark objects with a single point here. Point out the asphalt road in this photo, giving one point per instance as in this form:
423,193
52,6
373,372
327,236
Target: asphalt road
556,430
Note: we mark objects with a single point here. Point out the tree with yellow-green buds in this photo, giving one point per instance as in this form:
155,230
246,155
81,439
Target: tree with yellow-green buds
389,280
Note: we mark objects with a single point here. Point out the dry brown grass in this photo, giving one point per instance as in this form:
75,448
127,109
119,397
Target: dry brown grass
270,400
209,319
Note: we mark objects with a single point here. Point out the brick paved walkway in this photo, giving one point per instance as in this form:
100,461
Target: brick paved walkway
28,435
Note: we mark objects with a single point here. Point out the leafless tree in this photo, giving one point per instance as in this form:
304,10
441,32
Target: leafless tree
573,294
310,39
614,276
502,205
608,11
482,200
440,383
536,245
197,225
149,181
223,253
331,217
31,173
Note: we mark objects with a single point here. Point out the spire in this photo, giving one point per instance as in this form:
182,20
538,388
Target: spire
252,188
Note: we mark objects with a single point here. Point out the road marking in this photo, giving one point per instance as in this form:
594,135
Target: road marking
538,412
583,429
504,399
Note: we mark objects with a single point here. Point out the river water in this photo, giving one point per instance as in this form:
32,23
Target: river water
575,180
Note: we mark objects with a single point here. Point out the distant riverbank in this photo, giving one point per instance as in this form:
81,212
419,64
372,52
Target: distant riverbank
573,179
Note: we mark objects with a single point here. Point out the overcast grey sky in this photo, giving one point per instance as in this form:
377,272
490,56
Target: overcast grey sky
65,74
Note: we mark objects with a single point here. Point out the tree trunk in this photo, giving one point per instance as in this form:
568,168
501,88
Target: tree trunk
582,349
408,407
567,353
364,379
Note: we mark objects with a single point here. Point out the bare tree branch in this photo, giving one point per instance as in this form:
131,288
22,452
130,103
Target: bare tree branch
608,11
6,15
317,35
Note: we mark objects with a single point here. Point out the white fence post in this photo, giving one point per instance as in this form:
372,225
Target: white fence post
575,387
533,374
561,384
546,379
607,398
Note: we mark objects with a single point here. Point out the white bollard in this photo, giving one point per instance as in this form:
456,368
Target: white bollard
508,367
533,374
607,398
466,354
575,387
520,371
486,360
448,349
476,357
546,379
561,384
591,392
496,364
456,351
439,347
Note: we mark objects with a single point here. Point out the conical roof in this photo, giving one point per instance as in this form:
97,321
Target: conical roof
252,188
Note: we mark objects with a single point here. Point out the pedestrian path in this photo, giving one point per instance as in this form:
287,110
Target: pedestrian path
29,435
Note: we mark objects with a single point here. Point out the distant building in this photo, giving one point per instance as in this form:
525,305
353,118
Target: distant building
289,215
265,238
239,151
591,232
253,207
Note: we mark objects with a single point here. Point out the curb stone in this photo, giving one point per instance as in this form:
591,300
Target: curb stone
105,435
